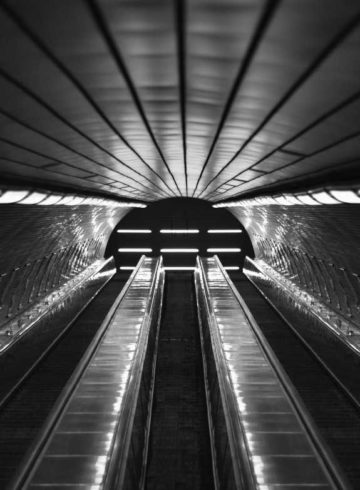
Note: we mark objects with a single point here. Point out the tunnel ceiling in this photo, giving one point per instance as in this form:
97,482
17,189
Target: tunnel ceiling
155,99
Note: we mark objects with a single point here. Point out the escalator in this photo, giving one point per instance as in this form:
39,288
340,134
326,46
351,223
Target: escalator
180,391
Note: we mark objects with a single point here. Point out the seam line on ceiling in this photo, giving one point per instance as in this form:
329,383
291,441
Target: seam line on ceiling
100,21
263,22
314,65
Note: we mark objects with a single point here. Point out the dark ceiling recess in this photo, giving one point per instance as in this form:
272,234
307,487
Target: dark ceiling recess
179,214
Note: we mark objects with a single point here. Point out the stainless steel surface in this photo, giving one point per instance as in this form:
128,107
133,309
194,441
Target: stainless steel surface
315,250
152,99
44,247
72,292
96,421
264,426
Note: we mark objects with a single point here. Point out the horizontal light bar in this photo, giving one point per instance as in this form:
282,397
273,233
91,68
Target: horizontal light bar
223,250
134,231
232,268
314,197
137,250
127,268
49,198
182,231
234,230
178,268
8,197
179,250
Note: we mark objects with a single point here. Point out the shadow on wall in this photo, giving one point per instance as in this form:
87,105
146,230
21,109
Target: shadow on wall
155,228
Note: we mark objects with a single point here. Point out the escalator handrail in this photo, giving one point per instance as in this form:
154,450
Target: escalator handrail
115,474
325,458
243,472
34,454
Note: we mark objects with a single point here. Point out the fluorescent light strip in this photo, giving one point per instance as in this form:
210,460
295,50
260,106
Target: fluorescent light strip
134,231
232,268
234,230
182,231
48,198
224,250
179,250
313,197
127,268
125,250
178,268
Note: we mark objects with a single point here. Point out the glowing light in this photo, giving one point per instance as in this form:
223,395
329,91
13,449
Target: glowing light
125,250
232,268
12,196
223,250
234,230
180,231
179,250
134,231
127,268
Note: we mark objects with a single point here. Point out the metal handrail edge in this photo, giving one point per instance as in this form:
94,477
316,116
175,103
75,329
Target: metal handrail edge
116,469
326,459
206,384
237,439
33,456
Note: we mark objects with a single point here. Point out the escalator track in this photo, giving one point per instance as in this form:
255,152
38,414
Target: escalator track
24,412
334,412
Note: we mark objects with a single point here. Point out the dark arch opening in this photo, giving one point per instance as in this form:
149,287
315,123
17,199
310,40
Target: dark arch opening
179,214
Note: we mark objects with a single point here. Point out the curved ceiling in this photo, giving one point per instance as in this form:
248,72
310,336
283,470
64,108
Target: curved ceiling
160,98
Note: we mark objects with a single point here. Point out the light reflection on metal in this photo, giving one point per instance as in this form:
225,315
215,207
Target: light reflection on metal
344,328
20,324
104,391
253,389
314,197
50,198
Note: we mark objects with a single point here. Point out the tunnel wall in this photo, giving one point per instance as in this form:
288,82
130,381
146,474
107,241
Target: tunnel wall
316,247
42,247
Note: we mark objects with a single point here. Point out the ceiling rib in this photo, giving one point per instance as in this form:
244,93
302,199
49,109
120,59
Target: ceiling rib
180,19
264,20
103,28
52,159
42,47
60,143
334,43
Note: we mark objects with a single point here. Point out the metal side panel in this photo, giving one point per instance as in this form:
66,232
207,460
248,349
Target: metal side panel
95,424
271,447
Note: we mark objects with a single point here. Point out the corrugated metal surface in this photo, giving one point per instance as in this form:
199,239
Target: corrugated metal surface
316,247
42,247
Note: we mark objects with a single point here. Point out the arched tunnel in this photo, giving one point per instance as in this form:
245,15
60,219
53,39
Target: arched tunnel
179,244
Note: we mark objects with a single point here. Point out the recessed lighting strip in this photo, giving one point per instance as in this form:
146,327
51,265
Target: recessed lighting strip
314,197
134,250
223,250
179,231
127,268
134,231
233,230
179,250
232,268
49,198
